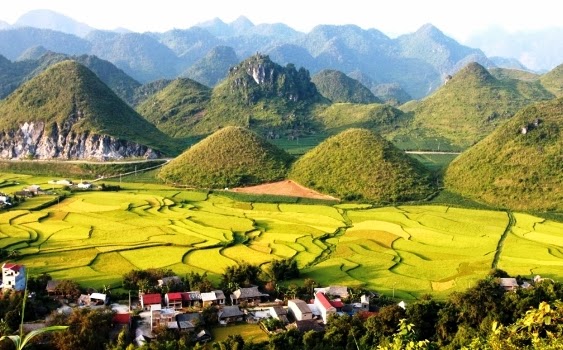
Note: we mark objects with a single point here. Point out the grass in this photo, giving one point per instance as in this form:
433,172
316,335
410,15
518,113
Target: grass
95,237
250,332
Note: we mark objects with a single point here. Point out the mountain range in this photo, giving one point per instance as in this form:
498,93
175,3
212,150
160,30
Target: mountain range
417,63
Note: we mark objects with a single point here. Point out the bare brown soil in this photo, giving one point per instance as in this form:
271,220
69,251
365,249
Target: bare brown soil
284,188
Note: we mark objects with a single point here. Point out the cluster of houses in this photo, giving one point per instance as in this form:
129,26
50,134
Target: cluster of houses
83,185
178,310
5,200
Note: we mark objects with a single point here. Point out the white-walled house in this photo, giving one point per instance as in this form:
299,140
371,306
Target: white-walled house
13,276
324,306
299,309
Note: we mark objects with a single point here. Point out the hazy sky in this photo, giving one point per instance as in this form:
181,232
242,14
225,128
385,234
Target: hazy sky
455,18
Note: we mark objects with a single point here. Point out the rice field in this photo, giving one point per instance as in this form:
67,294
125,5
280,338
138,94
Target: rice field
96,237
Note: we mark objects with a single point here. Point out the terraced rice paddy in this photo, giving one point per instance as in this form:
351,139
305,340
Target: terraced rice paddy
95,237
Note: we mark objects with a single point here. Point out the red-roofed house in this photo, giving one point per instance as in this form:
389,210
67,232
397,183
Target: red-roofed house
173,300
324,306
337,303
122,318
13,276
150,299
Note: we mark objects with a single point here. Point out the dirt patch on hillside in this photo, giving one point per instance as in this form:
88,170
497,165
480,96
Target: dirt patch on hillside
284,188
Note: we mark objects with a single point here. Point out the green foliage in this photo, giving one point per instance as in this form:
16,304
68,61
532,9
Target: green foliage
405,339
515,170
88,329
281,270
69,93
144,279
338,87
471,105
230,157
172,109
243,275
360,165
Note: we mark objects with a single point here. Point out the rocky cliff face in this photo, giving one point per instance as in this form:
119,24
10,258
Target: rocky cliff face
34,140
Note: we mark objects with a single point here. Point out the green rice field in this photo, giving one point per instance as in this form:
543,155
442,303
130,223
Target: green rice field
95,237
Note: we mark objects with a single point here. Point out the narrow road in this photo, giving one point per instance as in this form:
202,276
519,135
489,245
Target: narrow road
500,245
431,152
166,161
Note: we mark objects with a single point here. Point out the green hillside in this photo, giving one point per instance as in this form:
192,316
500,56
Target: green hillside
516,170
472,104
507,74
381,118
261,95
172,109
357,164
67,93
232,156
338,87
553,80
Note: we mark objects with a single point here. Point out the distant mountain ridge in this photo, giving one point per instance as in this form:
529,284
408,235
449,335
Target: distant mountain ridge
416,62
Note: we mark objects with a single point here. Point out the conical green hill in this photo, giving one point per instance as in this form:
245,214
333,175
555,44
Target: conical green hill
68,96
232,156
175,108
509,168
553,80
472,104
358,164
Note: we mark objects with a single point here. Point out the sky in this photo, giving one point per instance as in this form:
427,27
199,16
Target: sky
392,17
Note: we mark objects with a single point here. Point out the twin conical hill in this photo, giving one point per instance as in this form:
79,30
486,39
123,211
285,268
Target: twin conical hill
358,164
472,104
174,109
518,166
232,156
69,99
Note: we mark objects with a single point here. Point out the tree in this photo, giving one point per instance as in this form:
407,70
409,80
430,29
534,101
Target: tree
88,329
69,289
423,314
282,270
405,339
243,275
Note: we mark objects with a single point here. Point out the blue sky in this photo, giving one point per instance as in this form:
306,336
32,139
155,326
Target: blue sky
457,19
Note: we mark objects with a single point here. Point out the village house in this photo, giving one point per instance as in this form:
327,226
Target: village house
249,295
94,299
64,182
150,299
173,300
279,313
189,321
84,185
509,284
191,299
13,276
307,325
324,306
299,309
216,297
334,291
169,281
230,314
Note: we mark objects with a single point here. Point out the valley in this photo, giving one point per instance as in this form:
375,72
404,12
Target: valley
95,237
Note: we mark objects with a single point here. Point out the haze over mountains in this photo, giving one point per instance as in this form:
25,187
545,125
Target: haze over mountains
417,62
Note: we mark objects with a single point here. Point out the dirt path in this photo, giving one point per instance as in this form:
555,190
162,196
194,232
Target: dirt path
284,188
